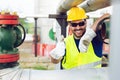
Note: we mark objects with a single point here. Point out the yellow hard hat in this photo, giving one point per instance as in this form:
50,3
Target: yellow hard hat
76,13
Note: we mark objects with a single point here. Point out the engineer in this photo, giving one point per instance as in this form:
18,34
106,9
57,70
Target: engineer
82,49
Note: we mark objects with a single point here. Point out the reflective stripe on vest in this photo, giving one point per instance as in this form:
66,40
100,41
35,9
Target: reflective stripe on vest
90,65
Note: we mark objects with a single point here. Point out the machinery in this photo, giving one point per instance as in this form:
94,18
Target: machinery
10,38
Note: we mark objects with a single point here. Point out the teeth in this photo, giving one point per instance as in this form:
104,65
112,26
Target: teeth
78,31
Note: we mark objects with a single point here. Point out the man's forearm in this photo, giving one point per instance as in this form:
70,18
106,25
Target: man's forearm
96,23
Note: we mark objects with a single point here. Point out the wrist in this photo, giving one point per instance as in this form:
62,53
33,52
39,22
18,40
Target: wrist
55,61
91,33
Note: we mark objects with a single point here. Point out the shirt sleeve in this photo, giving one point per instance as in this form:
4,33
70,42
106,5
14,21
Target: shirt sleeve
97,45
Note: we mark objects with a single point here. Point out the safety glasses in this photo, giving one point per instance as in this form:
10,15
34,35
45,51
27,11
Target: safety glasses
80,24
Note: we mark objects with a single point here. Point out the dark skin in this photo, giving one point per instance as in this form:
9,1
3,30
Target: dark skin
80,30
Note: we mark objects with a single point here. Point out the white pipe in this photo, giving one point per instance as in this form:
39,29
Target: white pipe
31,74
33,16
92,5
114,58
67,4
88,5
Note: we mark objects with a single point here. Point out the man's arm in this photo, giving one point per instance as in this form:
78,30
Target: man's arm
58,52
90,33
96,23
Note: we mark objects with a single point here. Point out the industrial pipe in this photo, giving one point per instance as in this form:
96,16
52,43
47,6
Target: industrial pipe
114,55
88,5
92,5
65,5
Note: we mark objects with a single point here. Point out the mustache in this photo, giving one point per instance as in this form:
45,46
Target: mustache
78,29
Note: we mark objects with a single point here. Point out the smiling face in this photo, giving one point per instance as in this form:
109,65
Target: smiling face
78,28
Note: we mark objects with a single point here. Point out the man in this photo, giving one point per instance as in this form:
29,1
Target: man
82,49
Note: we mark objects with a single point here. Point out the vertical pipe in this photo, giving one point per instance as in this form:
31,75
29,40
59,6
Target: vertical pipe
114,64
35,33
63,28
63,24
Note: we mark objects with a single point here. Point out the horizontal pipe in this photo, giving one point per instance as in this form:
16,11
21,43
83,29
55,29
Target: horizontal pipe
92,5
88,5
65,5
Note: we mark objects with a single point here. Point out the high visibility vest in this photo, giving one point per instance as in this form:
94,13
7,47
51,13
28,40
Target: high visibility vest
73,58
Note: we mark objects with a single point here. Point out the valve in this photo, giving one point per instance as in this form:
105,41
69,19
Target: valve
10,38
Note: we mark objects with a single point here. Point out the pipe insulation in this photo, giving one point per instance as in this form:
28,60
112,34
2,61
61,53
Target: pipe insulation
65,5
92,5
88,5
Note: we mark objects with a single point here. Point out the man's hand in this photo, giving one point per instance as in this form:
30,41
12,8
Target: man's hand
86,39
59,50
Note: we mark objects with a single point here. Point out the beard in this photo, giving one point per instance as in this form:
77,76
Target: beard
78,33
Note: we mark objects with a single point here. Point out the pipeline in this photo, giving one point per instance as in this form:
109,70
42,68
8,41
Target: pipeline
65,5
92,5
88,5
